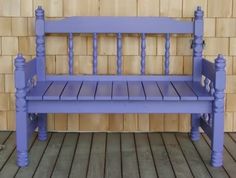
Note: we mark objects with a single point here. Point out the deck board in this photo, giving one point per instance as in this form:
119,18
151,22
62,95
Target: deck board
204,151
117,155
97,157
35,155
230,146
4,136
197,166
178,161
113,156
81,157
229,162
63,164
7,151
160,156
46,165
10,168
129,158
145,159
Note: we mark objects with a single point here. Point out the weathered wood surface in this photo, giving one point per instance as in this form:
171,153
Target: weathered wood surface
117,155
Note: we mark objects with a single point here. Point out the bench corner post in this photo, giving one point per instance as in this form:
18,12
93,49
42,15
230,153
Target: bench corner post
218,113
42,126
40,42
197,44
195,124
21,112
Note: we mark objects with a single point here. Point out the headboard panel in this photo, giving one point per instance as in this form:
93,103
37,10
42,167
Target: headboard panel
119,26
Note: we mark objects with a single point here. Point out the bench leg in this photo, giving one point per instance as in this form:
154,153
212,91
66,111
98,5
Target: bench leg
22,138
195,123
217,141
42,126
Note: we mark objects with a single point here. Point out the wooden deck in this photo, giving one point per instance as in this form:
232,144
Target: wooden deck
115,155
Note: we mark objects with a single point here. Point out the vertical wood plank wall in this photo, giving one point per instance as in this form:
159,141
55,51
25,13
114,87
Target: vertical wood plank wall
17,35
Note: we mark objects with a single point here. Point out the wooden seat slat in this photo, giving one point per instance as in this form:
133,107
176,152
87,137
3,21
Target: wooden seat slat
135,90
54,90
87,91
37,92
168,91
120,91
184,91
104,90
151,90
200,91
71,90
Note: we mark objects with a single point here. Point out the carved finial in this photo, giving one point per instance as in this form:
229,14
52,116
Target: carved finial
220,62
19,62
199,13
39,13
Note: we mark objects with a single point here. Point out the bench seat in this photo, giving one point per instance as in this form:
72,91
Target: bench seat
118,90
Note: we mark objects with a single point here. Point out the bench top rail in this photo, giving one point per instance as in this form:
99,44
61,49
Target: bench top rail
106,24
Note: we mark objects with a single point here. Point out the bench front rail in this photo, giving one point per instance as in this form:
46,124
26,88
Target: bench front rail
200,94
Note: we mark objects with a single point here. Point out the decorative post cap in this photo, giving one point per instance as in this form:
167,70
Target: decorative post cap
220,62
19,61
199,12
39,12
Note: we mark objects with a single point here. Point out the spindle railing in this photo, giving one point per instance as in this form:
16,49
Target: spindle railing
71,53
119,53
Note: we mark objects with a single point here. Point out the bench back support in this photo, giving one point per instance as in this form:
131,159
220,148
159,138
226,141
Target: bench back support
119,25
198,45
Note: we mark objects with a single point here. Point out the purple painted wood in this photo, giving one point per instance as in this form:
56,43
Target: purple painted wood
95,53
120,106
143,53
135,90
38,91
208,69
167,54
168,91
207,129
54,90
197,44
218,113
40,42
42,127
199,90
71,53
30,69
71,90
119,53
21,112
195,124
119,78
118,25
152,91
120,91
88,90
104,90
184,91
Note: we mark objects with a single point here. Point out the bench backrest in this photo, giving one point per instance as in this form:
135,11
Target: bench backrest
119,26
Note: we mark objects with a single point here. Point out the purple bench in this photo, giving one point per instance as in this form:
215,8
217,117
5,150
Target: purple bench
120,93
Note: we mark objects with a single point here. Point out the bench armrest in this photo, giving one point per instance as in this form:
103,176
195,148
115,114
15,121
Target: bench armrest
215,72
24,72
